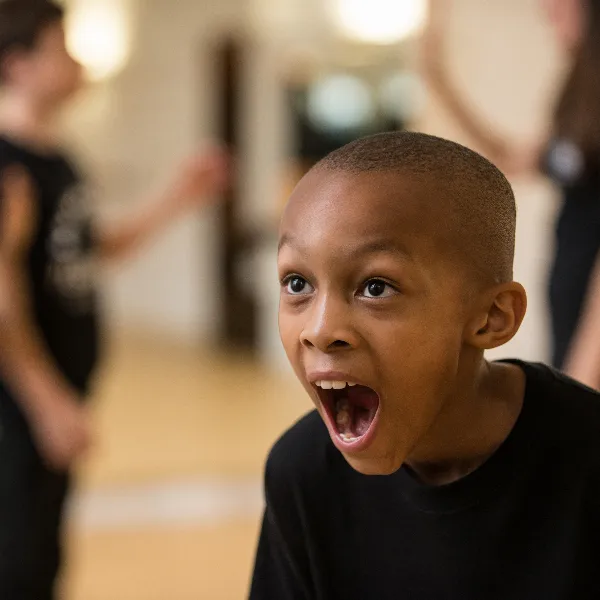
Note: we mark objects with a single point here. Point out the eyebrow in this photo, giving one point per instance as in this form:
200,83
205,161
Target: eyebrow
285,240
376,246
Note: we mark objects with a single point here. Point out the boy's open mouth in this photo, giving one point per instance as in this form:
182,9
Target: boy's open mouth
351,408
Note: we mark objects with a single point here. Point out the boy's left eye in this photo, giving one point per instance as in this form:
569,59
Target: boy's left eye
297,286
376,288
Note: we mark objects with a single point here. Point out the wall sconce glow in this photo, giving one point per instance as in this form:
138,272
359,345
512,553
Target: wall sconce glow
402,96
98,36
340,102
380,21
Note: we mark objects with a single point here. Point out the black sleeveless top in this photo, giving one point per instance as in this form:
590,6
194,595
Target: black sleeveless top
60,266
577,239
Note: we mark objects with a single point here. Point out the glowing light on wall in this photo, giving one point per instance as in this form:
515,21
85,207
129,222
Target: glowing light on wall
340,102
98,36
402,95
380,21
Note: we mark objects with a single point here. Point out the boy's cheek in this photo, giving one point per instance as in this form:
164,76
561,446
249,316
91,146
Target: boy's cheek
422,347
293,352
418,378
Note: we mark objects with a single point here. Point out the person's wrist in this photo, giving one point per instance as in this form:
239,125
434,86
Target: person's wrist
42,393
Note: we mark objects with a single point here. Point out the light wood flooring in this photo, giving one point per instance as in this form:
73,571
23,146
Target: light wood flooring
168,505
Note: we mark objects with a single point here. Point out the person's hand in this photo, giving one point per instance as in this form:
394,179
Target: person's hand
567,18
201,178
61,430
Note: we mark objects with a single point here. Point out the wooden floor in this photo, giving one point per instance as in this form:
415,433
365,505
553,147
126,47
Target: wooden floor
181,435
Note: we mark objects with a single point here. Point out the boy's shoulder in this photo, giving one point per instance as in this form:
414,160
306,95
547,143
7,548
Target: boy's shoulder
569,409
542,377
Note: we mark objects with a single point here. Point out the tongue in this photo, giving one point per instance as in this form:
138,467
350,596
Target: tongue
362,421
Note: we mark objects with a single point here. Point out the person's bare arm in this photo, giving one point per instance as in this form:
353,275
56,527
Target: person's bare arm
567,18
583,360
58,422
200,180
433,48
509,157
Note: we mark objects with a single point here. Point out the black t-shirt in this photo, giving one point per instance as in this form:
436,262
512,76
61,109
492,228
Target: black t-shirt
60,266
525,525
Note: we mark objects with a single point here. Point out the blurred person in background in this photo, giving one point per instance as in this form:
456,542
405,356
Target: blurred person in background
49,253
569,153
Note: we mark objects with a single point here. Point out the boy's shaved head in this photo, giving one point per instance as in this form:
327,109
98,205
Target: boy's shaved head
395,263
474,198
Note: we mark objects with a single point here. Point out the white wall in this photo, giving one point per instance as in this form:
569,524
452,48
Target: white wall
134,130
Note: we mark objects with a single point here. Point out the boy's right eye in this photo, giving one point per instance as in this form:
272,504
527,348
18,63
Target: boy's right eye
297,286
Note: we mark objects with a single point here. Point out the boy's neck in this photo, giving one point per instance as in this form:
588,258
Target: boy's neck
472,425
28,121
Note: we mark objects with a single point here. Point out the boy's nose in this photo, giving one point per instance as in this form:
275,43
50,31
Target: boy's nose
329,327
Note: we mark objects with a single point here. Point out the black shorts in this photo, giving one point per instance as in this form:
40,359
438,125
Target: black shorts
32,499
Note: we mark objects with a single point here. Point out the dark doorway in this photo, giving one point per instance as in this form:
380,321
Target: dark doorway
239,307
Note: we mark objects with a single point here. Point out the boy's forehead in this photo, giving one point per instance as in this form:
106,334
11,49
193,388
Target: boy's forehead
358,204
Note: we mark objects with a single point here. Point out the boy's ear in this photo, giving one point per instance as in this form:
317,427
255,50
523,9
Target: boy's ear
501,313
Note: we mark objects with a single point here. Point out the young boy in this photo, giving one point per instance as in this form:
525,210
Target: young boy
426,472
49,252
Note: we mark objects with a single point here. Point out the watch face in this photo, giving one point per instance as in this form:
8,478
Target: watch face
565,161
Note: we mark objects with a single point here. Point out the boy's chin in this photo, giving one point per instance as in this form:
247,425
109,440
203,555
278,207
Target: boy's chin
374,466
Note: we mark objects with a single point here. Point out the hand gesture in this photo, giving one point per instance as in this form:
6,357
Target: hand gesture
61,430
201,178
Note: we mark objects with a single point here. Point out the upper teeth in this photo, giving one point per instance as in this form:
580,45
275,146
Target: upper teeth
334,385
